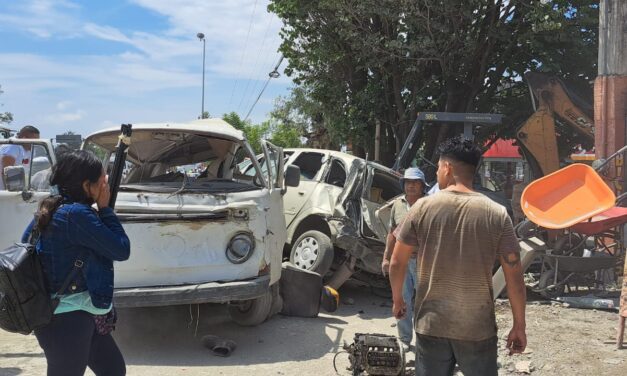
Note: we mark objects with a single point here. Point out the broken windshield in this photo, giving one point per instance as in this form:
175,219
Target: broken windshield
178,162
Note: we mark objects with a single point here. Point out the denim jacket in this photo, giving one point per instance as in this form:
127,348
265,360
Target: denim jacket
78,232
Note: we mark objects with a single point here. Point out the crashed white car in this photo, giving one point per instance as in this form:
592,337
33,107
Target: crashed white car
215,237
330,217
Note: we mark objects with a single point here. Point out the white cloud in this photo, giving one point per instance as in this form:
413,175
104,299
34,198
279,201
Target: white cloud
105,32
94,74
63,105
65,117
242,38
42,18
156,76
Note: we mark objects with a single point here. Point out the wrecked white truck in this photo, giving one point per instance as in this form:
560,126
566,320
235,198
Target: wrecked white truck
331,224
215,236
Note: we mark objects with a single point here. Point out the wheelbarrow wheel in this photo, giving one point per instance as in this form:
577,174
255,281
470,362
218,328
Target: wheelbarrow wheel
526,229
572,245
546,285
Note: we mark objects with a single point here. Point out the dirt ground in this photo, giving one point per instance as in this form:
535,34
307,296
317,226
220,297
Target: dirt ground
166,341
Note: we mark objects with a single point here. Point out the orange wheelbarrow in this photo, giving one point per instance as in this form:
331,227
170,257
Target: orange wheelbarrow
577,200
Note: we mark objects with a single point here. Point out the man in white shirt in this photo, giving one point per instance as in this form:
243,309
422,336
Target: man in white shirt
40,181
15,155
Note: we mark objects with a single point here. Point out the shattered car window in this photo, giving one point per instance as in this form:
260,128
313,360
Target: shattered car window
337,174
384,187
178,161
310,164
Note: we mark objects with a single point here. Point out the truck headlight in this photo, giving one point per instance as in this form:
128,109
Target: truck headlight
240,248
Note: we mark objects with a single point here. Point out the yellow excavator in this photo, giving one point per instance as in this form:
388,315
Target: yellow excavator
561,118
538,135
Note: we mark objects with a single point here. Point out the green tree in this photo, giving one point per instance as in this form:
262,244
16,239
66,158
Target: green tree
253,133
256,133
369,61
277,132
285,136
5,117
235,120
302,117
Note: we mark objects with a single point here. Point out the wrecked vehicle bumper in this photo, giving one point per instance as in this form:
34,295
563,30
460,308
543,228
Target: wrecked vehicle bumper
211,292
369,253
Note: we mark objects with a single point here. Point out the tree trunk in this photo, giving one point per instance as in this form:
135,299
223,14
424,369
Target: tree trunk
456,101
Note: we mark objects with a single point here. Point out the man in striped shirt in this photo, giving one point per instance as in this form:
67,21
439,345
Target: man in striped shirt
459,234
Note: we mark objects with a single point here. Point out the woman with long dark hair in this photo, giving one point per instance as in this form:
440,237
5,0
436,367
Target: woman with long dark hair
79,244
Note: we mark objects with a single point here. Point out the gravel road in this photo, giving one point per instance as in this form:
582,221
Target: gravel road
166,341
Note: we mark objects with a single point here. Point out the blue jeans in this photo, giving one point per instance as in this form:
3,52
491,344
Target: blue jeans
406,324
437,356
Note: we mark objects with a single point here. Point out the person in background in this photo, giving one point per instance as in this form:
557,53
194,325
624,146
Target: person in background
435,189
414,186
79,243
14,155
459,234
41,180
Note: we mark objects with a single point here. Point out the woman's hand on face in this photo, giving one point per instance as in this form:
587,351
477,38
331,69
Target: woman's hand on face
104,194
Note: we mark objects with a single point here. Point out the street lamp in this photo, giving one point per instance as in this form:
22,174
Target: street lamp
201,37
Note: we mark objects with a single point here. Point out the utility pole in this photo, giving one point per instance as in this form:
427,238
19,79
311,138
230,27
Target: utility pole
201,37
610,86
377,141
610,102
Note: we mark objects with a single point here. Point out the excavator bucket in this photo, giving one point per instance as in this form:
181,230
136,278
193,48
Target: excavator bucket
566,197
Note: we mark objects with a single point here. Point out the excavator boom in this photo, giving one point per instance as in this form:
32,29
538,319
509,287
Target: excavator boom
537,136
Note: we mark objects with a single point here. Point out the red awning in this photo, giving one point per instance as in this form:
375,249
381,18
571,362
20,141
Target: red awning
503,149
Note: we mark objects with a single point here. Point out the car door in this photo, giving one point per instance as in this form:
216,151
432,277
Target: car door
273,164
369,187
380,186
19,202
311,166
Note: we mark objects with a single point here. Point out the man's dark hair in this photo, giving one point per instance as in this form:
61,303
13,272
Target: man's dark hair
28,129
460,149
61,149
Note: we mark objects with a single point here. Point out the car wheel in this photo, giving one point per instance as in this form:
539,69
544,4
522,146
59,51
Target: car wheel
313,251
252,312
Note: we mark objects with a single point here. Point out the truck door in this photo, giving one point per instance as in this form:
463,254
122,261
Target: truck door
277,230
26,183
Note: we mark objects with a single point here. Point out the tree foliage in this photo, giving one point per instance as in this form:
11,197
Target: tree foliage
253,133
363,61
273,130
304,117
5,117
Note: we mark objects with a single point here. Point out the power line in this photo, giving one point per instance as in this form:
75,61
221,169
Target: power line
258,68
271,75
250,24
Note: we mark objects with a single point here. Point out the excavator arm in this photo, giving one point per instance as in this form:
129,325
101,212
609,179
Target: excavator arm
537,136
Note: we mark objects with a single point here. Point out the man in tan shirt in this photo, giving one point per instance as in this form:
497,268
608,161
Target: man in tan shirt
414,185
459,234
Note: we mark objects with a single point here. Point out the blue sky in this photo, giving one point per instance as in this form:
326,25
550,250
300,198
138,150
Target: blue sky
85,65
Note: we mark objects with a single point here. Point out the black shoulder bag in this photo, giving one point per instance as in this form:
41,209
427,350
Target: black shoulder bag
25,304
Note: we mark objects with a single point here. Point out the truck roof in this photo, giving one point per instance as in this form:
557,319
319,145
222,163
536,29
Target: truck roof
212,127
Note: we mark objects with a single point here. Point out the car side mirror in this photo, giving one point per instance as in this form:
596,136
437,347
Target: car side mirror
14,178
292,176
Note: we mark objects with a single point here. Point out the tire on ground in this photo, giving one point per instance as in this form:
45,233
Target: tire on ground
252,312
313,251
